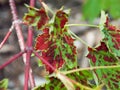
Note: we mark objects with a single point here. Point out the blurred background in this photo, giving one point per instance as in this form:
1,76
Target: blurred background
82,12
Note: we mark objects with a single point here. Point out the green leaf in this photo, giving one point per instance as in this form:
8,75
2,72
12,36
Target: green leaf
111,38
100,56
4,84
91,8
40,63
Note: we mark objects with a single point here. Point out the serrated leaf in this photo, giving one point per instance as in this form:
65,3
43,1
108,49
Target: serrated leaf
4,84
100,56
56,45
111,37
36,17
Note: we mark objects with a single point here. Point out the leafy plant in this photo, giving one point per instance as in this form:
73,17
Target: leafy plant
58,52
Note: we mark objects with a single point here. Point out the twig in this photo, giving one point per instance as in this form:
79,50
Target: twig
7,35
41,58
89,25
78,38
29,51
20,36
13,58
91,68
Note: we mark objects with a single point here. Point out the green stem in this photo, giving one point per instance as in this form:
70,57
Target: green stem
90,68
89,25
82,86
79,38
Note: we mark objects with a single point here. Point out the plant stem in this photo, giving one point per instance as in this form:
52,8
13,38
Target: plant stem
19,33
28,56
80,85
29,49
91,68
32,3
5,38
9,33
13,58
89,25
41,58
17,27
79,38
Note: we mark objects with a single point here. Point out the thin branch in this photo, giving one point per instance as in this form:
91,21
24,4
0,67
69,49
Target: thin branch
13,58
19,33
7,36
29,51
41,58
78,38
88,25
17,27
90,68
32,3
28,56
9,32
80,85
27,69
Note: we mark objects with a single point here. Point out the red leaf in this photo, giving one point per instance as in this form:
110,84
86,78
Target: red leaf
112,38
37,18
63,18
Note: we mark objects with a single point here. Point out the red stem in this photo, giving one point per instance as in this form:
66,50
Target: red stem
13,58
32,3
29,51
41,58
20,36
6,37
17,26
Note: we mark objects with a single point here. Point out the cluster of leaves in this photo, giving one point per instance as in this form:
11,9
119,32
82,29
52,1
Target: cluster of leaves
92,8
55,43
106,54
56,47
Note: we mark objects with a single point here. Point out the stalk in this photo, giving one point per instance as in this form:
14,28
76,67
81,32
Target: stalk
13,58
89,25
28,56
91,68
20,35
41,58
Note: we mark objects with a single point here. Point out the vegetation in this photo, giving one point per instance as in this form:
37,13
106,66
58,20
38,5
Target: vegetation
56,51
